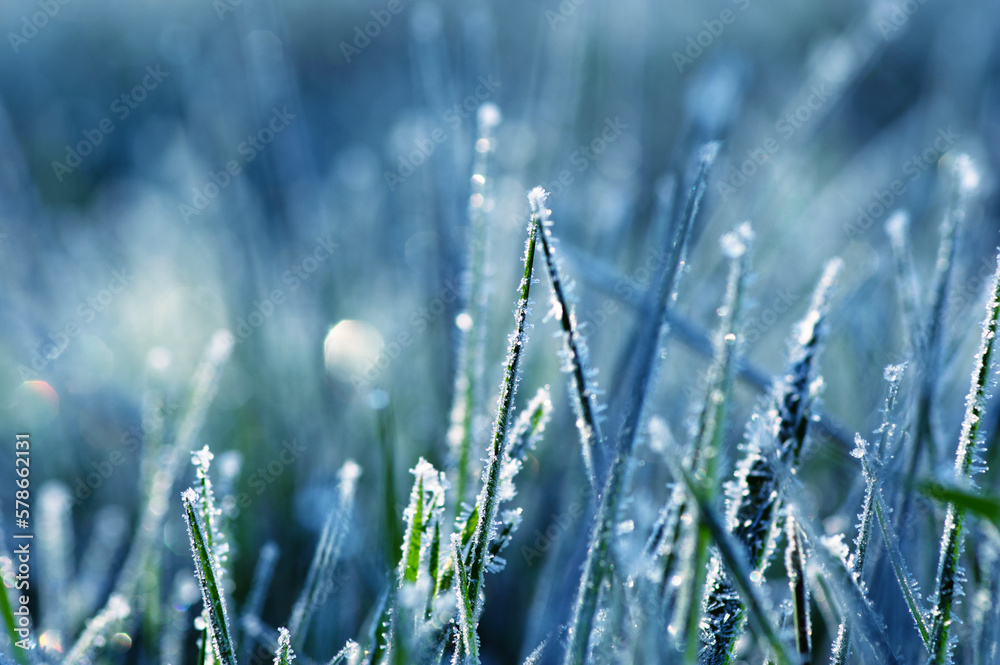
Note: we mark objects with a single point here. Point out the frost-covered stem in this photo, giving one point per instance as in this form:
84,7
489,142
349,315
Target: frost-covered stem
319,584
209,575
963,182
468,640
711,422
775,441
98,631
472,320
284,655
966,458
489,497
795,564
894,375
205,386
736,565
906,582
581,394
598,563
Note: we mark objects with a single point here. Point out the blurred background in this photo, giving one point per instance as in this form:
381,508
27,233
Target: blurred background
299,174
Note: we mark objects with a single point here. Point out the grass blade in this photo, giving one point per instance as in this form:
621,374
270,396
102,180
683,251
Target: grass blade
285,655
967,463
98,630
774,442
598,564
319,578
735,563
705,451
489,497
471,322
581,390
841,648
795,565
206,567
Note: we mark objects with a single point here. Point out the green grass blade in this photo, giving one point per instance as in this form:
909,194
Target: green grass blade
284,655
711,425
735,563
206,567
7,613
466,608
489,497
986,506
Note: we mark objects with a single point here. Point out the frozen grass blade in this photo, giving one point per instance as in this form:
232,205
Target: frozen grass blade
205,386
598,563
735,563
795,565
894,376
468,640
422,513
968,462
319,580
208,572
905,579
471,322
285,655
530,425
98,631
710,427
347,654
964,180
775,439
582,393
489,497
